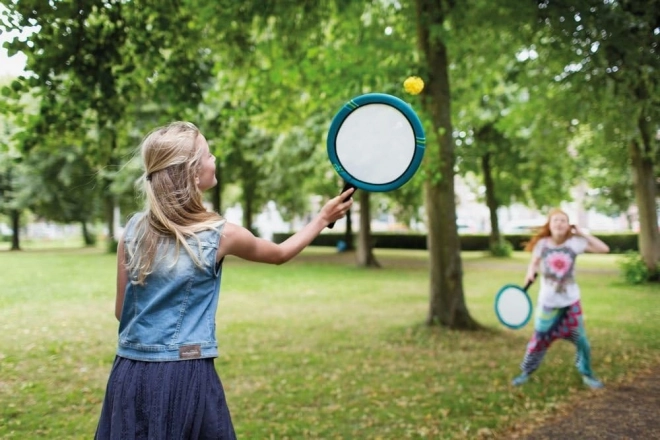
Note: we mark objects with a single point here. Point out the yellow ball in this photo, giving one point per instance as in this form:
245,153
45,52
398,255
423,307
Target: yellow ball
413,85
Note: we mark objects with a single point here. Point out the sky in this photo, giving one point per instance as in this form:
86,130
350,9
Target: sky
11,66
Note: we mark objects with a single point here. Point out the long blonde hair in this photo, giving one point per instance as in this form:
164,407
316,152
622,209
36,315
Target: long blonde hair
171,157
544,231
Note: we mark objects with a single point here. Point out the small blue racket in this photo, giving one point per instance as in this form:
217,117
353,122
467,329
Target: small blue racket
513,305
376,143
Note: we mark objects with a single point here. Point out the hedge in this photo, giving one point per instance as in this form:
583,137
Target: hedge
618,243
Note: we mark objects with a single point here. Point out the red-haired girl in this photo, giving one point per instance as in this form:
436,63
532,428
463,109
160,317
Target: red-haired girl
559,313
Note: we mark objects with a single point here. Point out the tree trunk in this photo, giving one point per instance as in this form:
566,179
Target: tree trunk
87,238
247,214
447,300
248,207
217,191
646,197
348,235
109,198
491,200
365,255
109,209
15,225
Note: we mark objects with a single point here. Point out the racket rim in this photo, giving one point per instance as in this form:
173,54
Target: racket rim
529,303
360,102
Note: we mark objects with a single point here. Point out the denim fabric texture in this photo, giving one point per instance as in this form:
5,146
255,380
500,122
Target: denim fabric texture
172,316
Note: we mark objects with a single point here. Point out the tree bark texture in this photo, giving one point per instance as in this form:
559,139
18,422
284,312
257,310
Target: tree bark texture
447,300
646,195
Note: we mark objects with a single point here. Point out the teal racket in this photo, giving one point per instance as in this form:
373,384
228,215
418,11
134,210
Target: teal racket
376,143
513,306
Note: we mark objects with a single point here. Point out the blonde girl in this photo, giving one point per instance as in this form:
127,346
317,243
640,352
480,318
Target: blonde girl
163,383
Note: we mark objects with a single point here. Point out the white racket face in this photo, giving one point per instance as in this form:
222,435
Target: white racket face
376,144
513,306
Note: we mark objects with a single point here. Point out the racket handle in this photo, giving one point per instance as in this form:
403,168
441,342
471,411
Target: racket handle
347,186
529,283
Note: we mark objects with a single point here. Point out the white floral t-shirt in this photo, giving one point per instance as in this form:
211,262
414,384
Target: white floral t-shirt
558,286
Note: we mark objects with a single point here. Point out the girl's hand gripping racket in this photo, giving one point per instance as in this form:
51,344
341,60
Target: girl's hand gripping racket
513,306
375,143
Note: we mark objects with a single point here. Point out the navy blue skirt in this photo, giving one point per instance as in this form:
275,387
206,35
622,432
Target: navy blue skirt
164,400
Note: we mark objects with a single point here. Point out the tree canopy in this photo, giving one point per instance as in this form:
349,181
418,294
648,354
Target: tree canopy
531,98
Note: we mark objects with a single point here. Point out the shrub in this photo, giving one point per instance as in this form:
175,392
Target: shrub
634,270
111,246
618,243
503,248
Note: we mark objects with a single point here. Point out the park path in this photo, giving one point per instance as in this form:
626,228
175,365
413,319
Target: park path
629,411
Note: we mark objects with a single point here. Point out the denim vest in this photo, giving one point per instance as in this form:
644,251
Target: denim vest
172,316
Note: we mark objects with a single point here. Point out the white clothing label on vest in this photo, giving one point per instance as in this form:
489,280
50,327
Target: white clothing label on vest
190,352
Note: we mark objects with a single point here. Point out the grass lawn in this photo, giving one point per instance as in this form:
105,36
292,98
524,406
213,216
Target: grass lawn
317,348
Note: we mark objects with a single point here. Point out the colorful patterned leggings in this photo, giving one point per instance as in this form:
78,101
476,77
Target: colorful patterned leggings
552,324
